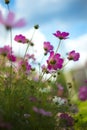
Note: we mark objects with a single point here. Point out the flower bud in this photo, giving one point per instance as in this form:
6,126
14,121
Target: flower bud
36,26
7,1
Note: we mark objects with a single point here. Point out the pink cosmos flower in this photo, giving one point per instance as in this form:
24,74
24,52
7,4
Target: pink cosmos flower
33,99
9,21
20,38
11,57
61,35
54,61
42,111
30,56
5,50
66,119
47,47
23,64
60,90
73,56
82,95
44,68
85,81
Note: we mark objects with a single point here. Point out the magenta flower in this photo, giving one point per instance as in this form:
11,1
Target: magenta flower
30,56
25,66
47,47
60,90
61,35
82,95
10,22
11,57
66,120
73,56
42,111
36,109
54,61
5,50
20,38
44,68
85,81
33,99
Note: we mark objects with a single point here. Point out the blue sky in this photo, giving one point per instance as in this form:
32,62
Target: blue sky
52,15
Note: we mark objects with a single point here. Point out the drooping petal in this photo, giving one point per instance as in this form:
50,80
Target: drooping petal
10,19
20,23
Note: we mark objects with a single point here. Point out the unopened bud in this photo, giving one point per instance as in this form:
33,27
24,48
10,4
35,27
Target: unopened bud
36,26
7,1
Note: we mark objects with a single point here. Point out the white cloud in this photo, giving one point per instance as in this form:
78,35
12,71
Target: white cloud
2,9
33,8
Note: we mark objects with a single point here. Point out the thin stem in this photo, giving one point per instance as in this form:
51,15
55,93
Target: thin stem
29,43
8,7
26,50
11,61
65,64
58,46
40,78
49,78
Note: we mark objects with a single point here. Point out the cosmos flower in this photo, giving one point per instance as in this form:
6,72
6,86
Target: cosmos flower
20,38
66,120
54,61
59,100
82,94
47,47
30,56
32,99
9,21
72,55
24,65
61,35
42,111
11,57
26,115
60,90
5,50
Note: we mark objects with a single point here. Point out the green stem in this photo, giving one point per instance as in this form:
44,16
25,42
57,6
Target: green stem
26,50
49,78
40,78
8,7
29,43
11,61
65,64
58,46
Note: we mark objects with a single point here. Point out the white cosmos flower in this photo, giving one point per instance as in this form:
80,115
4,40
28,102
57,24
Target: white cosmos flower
59,100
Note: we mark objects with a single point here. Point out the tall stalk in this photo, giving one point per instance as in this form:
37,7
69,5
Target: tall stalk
29,43
11,61
10,30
